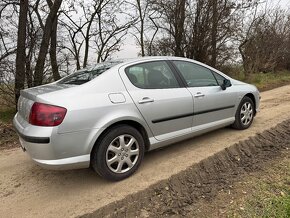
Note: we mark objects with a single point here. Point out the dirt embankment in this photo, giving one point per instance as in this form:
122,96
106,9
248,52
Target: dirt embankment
8,137
178,195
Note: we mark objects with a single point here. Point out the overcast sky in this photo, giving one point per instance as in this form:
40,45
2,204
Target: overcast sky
130,50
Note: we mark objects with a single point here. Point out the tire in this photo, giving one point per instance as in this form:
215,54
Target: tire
119,153
244,114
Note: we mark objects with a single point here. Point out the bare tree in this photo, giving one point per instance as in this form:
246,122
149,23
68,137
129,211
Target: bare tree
98,31
76,41
150,40
142,12
97,6
211,27
265,43
48,27
110,30
214,31
41,29
20,55
146,27
53,45
197,29
172,20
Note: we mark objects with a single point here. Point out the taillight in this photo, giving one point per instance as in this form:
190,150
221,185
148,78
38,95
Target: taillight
46,115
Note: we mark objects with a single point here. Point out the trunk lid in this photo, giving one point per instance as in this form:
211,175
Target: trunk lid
32,93
29,96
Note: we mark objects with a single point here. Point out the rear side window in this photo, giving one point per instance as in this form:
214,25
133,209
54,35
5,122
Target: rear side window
77,78
195,75
152,75
86,75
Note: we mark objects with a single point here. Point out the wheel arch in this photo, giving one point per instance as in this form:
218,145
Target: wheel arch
252,97
131,123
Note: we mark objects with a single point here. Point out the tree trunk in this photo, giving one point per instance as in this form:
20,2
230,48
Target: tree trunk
39,68
20,55
179,27
142,38
139,7
245,62
52,51
214,33
87,38
28,72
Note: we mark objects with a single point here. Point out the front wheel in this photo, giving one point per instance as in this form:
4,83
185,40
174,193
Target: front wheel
244,114
119,153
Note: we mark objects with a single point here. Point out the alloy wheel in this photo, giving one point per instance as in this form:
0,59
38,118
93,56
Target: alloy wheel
246,113
122,154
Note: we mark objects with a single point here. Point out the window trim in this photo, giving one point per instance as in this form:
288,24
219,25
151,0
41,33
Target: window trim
183,79
174,73
213,72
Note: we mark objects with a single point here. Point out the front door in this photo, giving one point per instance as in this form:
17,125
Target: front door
211,103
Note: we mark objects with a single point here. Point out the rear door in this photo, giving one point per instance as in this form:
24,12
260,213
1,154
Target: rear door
211,103
166,106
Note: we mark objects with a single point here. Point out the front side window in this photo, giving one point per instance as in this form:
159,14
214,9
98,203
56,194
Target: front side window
195,75
219,78
152,75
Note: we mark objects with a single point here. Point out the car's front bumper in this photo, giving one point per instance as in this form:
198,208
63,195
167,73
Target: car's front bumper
52,150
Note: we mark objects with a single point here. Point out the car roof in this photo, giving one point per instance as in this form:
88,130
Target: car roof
123,61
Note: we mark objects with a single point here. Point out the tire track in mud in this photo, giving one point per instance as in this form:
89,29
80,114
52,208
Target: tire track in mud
175,196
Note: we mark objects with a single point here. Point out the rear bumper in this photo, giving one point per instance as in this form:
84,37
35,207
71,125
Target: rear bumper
78,162
55,151
33,139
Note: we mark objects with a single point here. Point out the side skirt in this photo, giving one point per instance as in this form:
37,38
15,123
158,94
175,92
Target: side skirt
195,131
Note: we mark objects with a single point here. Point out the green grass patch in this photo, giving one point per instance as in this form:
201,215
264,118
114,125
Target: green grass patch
269,202
265,81
269,194
7,114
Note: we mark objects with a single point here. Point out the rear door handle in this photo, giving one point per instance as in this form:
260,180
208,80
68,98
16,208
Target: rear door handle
145,100
198,94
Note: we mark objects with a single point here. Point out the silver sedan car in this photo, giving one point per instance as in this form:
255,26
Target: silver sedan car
109,115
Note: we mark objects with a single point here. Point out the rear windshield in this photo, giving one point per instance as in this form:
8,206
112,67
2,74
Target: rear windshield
86,75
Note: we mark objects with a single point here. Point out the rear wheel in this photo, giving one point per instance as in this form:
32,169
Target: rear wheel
119,153
245,114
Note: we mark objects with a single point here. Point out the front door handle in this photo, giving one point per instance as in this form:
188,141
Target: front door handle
198,94
145,100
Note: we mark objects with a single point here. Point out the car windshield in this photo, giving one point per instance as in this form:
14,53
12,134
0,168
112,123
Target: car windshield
86,75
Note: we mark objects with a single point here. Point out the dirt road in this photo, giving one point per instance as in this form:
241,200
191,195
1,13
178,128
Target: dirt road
208,189
26,190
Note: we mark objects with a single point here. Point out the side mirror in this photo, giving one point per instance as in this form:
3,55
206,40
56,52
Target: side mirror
226,83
